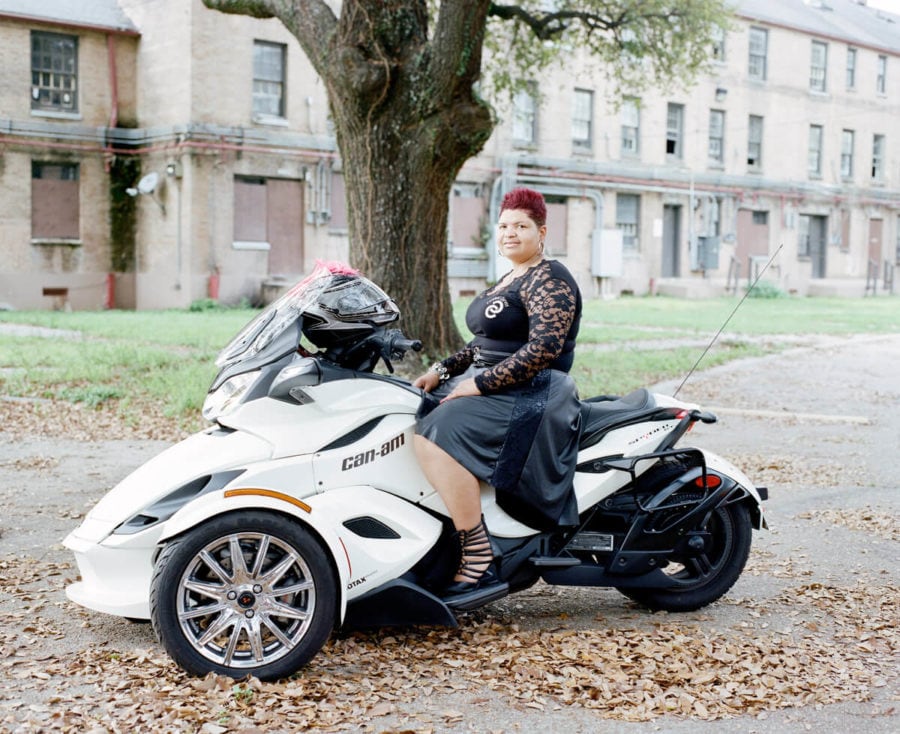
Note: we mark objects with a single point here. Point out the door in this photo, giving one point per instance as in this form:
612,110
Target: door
670,266
818,227
876,231
752,239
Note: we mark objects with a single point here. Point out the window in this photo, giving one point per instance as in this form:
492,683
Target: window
881,75
847,154
628,209
54,72
631,127
718,44
583,119
754,142
675,131
525,116
268,79
818,66
717,137
851,68
55,201
759,42
878,157
814,158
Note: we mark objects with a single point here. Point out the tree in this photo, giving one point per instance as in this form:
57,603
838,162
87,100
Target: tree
401,78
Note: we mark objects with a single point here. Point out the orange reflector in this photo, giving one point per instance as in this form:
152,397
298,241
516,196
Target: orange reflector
712,481
268,493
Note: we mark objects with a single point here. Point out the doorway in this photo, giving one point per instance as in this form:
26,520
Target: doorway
671,266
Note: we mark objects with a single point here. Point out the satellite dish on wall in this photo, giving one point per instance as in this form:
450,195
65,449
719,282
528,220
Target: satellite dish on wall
148,183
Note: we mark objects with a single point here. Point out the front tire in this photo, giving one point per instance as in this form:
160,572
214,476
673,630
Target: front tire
249,593
701,579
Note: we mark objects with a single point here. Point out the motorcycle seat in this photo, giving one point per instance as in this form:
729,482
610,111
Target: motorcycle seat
600,414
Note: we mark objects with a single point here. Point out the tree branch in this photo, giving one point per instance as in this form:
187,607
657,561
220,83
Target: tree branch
550,25
311,22
458,42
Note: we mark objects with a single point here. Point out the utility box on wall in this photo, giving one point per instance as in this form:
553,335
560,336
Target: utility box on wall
708,253
606,254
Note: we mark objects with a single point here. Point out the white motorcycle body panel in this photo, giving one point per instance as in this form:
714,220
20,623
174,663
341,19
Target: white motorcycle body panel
288,467
336,408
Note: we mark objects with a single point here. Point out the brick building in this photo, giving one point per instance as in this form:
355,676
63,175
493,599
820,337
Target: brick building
154,152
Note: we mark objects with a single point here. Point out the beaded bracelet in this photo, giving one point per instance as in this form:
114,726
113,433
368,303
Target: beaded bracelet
442,372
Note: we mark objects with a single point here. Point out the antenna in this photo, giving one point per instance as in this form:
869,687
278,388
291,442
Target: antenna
722,327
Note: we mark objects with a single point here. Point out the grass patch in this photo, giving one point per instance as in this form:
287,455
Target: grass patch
129,360
619,371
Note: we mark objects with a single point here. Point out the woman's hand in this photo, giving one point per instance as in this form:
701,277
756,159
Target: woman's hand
428,381
466,388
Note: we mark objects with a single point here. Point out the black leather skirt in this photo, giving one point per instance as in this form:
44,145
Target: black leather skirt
522,441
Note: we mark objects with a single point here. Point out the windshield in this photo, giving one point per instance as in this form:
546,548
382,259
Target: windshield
280,315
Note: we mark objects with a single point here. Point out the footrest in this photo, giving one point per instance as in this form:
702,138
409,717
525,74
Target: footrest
477,598
554,561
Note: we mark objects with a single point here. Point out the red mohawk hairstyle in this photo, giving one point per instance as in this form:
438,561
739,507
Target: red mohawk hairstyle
527,200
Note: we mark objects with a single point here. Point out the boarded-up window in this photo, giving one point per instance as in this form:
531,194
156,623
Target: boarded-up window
467,216
268,215
557,242
250,210
55,201
338,218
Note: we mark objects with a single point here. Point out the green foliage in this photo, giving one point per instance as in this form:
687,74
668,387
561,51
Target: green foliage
126,359
637,44
243,693
124,171
766,289
91,395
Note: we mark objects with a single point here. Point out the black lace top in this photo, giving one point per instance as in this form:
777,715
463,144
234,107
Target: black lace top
533,319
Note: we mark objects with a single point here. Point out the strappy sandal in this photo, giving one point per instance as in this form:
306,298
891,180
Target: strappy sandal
475,560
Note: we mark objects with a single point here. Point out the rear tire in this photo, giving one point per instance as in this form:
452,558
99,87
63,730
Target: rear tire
702,579
264,615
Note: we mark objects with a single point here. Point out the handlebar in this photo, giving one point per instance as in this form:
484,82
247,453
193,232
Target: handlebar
383,345
400,343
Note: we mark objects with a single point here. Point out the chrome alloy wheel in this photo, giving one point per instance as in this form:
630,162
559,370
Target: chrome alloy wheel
245,600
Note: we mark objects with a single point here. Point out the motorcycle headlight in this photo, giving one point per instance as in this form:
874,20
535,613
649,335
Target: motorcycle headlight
227,396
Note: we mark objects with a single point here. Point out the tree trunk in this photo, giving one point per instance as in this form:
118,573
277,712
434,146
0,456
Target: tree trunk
406,120
399,169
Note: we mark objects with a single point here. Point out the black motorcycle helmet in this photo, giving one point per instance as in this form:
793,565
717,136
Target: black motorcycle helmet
348,308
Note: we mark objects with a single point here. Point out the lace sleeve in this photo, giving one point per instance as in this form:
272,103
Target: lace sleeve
551,309
458,363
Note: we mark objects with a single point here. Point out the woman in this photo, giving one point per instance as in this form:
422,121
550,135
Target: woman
508,412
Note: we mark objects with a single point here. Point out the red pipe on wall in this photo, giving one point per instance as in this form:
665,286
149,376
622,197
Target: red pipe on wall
213,285
109,302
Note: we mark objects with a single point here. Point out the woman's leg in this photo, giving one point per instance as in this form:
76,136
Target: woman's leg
459,489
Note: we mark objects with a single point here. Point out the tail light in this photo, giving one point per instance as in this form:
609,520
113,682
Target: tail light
708,481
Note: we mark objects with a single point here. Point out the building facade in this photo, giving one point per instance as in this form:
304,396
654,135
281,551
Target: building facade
155,152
